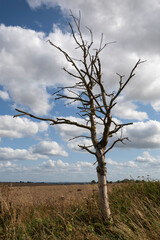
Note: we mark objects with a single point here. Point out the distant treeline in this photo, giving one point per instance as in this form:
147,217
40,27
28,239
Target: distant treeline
23,183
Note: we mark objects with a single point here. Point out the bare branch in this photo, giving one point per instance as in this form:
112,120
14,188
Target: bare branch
95,109
94,103
82,136
32,116
118,127
123,84
83,147
71,74
68,58
94,163
54,122
91,34
118,140
67,121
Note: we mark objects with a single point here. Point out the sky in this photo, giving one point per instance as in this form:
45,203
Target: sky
31,70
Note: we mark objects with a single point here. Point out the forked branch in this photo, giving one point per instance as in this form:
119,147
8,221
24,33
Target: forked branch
114,143
94,103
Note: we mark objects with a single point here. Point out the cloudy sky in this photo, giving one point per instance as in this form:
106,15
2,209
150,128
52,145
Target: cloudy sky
31,69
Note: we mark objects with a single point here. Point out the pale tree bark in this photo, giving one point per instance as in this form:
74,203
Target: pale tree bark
103,197
94,108
102,186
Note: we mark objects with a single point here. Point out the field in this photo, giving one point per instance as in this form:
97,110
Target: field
66,212
22,195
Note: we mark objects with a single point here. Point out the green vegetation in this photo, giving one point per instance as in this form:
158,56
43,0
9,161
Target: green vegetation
135,207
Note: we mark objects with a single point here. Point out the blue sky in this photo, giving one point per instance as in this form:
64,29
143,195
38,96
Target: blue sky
30,71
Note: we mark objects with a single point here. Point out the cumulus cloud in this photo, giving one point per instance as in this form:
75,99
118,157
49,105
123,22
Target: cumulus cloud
69,131
20,127
28,66
49,148
28,78
148,160
52,166
74,145
145,158
12,167
119,17
43,150
143,135
72,134
38,3
137,37
21,84
60,166
128,110
140,134
4,95
8,154
129,164
49,171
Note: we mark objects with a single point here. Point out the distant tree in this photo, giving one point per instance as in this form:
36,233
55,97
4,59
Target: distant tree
126,180
93,182
95,104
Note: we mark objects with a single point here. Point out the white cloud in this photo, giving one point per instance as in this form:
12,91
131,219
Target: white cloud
49,148
148,160
143,135
129,164
73,133
20,127
43,150
145,158
29,65
60,166
49,171
118,17
128,110
9,154
26,78
73,145
38,3
11,167
50,164
4,95
69,131
137,37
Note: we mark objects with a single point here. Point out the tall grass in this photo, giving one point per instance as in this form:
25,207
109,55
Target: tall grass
135,208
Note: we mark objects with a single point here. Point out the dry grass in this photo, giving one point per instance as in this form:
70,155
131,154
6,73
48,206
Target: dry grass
69,212
45,194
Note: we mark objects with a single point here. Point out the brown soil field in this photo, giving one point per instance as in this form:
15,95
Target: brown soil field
34,194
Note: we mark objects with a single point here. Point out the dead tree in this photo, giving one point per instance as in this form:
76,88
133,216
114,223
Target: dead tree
94,103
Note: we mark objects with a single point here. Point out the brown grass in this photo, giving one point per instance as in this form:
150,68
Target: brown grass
71,212
32,195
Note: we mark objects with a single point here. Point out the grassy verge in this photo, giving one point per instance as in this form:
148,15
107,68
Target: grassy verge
135,208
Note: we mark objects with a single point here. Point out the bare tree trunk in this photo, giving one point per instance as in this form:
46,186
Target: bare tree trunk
103,191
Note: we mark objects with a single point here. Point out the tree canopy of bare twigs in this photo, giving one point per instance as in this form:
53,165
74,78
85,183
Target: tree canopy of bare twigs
94,103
